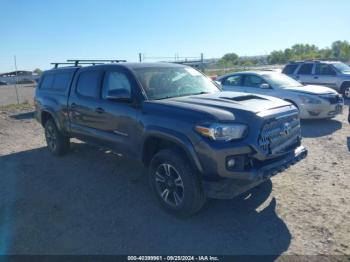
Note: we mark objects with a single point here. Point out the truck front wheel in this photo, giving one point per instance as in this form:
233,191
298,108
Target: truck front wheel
57,143
175,183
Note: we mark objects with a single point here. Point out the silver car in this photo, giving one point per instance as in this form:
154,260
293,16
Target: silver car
313,102
335,75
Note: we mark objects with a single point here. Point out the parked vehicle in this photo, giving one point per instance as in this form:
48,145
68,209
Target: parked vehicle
196,141
335,75
312,101
3,83
26,81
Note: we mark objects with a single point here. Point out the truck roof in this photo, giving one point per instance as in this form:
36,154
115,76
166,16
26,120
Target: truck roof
313,61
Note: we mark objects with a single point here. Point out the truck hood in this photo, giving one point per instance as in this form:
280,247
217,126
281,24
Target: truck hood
225,106
311,89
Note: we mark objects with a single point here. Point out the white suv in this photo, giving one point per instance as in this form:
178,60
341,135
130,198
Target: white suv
335,75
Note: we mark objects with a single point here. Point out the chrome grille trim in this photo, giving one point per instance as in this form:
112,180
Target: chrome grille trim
280,133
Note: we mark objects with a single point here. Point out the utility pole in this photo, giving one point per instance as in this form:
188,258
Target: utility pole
202,62
16,80
140,57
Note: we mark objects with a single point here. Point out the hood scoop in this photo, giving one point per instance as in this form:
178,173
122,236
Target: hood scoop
243,98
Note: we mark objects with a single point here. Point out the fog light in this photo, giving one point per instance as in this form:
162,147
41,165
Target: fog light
231,162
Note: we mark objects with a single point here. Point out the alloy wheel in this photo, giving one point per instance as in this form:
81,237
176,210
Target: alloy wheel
347,92
169,184
51,137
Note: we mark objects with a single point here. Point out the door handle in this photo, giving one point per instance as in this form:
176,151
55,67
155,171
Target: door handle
296,77
315,77
73,113
99,110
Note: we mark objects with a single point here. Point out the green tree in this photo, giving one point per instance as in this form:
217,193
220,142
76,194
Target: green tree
325,54
277,57
229,59
340,51
37,71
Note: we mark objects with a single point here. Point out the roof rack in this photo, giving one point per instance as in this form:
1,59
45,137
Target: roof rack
312,60
77,62
56,64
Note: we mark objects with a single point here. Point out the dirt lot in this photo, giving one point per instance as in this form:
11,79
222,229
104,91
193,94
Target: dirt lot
94,202
8,94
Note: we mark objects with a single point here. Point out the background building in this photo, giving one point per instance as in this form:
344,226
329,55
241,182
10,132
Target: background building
22,77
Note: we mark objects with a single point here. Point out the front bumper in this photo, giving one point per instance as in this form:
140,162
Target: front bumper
228,188
321,111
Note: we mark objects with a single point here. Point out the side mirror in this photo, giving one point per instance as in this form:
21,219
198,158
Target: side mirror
122,95
265,86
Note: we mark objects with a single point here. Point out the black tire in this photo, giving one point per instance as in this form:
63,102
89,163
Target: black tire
190,196
57,143
346,90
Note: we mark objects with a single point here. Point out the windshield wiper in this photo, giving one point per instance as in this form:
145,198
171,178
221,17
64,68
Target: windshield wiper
165,97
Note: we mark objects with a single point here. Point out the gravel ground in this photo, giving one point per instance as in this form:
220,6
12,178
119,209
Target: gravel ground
8,94
94,202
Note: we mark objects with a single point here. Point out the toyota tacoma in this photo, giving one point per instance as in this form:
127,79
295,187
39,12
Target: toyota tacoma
195,140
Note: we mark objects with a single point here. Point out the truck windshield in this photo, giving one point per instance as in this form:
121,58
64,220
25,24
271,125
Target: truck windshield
167,82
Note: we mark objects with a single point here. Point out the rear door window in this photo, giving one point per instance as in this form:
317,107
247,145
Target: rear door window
305,69
289,69
89,83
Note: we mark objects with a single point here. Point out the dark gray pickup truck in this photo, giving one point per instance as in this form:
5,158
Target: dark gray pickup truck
197,141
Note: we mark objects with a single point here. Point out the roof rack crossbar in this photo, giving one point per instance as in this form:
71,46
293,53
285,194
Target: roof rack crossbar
94,61
63,63
77,62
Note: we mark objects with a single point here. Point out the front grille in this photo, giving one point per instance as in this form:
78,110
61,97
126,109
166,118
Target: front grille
332,98
280,134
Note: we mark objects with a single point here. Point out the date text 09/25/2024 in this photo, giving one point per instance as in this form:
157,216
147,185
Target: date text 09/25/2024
173,258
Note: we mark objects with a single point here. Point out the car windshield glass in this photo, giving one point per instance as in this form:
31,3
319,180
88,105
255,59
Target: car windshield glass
342,67
166,82
281,80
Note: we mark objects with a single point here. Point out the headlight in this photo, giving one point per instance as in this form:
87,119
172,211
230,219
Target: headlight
222,132
309,100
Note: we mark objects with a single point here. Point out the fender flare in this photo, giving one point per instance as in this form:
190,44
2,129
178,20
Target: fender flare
179,139
292,102
53,115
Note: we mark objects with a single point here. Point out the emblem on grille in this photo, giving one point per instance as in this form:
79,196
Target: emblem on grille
285,130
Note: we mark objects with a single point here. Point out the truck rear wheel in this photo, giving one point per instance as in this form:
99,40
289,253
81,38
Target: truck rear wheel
175,183
57,143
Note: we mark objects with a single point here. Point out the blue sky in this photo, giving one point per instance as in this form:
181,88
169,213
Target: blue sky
39,32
